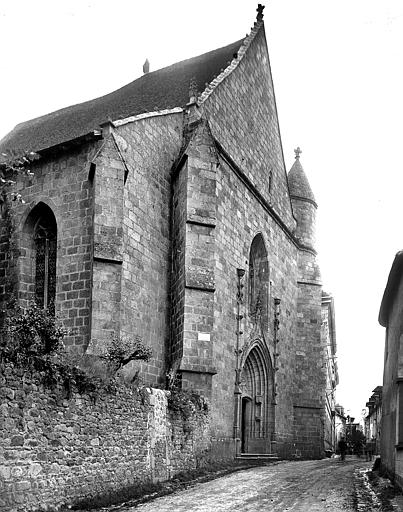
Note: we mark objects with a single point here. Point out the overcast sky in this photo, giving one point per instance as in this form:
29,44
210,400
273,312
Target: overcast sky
337,70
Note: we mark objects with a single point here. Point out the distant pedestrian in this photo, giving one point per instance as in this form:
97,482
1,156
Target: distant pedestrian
342,448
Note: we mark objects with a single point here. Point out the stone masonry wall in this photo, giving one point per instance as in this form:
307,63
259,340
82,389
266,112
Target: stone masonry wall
8,261
305,212
179,214
243,118
239,218
309,433
55,451
199,199
61,182
109,174
310,374
149,148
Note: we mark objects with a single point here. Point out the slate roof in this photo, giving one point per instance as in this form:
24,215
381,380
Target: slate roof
298,182
162,89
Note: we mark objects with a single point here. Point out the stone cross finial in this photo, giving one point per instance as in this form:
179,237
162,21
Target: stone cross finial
259,10
297,152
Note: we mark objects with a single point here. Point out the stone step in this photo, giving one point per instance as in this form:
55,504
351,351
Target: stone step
257,456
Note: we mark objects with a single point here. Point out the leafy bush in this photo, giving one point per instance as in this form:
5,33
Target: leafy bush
30,336
188,403
10,167
120,351
32,339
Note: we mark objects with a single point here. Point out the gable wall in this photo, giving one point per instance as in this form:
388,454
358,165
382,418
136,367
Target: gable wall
242,115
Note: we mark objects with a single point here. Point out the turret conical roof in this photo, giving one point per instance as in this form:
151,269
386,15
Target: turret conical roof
298,182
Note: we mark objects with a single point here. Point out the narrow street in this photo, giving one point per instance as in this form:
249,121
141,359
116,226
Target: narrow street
303,486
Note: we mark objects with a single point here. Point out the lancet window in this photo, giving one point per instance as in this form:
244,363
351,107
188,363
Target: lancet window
259,280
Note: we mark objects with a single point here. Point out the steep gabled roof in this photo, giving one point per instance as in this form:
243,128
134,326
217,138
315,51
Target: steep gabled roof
159,90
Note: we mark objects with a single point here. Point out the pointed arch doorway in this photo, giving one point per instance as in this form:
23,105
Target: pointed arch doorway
257,407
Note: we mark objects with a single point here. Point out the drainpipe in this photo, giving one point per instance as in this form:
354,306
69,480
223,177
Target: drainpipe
238,352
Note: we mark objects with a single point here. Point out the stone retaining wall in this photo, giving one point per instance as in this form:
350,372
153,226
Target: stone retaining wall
56,451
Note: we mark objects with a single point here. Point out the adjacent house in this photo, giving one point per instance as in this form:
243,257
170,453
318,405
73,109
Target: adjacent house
390,317
340,422
332,375
373,420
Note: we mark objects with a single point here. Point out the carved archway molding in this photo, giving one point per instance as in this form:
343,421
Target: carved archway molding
257,386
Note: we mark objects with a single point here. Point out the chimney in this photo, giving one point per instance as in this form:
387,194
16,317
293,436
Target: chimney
146,67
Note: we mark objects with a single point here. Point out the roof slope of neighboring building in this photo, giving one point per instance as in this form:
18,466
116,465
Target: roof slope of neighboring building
159,90
395,276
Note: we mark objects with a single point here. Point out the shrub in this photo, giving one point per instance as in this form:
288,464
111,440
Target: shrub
29,336
120,351
188,403
32,339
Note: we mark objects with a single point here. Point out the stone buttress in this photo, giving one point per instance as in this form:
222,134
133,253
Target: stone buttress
193,286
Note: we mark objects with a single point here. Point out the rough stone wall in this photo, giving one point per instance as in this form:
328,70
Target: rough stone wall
61,182
56,451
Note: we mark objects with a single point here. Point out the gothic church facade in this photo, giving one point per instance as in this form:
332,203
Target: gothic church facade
164,210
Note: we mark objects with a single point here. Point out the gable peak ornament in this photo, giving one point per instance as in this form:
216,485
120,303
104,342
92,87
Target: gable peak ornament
297,152
259,10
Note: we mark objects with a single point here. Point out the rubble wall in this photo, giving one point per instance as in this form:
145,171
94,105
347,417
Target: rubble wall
56,451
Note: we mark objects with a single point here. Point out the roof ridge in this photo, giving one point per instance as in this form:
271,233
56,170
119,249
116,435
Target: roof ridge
210,87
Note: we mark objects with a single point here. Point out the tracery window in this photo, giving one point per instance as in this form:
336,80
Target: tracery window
258,281
45,262
38,252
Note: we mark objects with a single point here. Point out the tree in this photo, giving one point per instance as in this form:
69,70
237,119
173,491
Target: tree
10,168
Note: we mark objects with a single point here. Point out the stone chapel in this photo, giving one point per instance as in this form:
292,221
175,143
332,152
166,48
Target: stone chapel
164,210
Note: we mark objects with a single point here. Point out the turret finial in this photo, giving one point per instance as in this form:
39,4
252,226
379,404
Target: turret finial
146,67
259,10
297,152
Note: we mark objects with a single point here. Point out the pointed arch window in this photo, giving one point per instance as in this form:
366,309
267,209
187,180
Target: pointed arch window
45,241
259,281
38,255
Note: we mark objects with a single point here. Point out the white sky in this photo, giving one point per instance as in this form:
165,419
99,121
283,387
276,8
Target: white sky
337,69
